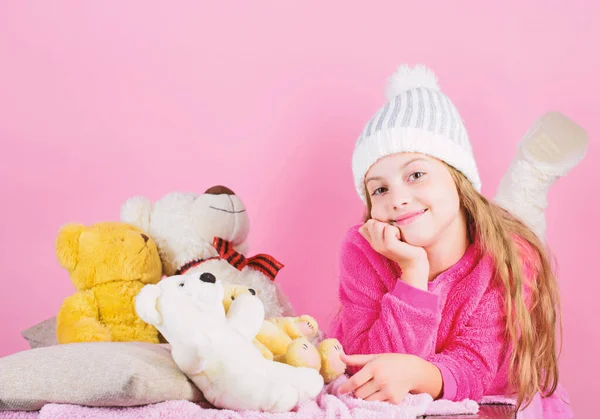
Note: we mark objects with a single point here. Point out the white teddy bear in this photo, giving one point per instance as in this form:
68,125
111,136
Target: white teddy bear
184,226
215,350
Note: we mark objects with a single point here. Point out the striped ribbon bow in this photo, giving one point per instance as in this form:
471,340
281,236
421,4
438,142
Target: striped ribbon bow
263,263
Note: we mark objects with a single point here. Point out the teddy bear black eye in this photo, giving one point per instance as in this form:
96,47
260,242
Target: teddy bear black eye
232,298
181,285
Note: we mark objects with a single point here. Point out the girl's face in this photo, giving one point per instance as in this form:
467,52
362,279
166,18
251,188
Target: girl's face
417,194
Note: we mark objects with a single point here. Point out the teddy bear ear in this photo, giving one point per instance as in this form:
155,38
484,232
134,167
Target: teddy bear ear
67,245
137,211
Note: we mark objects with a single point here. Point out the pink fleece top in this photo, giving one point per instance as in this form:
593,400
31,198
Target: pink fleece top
457,324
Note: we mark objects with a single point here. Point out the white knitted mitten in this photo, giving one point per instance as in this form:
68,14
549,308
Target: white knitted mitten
550,149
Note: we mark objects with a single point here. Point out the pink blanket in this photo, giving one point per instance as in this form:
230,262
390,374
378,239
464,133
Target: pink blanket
326,405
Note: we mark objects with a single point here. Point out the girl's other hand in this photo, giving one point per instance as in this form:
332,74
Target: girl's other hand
383,377
386,240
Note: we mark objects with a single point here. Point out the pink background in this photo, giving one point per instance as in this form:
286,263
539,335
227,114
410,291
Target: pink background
99,102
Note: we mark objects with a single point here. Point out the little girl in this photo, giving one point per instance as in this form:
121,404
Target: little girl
442,291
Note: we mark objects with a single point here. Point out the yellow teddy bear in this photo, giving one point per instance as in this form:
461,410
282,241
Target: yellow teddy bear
108,263
286,339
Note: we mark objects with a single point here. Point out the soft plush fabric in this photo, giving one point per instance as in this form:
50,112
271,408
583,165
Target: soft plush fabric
457,324
92,374
108,263
326,405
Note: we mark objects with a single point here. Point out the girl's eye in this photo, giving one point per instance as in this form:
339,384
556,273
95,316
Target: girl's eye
379,191
416,176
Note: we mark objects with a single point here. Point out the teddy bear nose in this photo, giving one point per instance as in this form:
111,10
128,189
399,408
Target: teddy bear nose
146,238
208,277
219,190
252,291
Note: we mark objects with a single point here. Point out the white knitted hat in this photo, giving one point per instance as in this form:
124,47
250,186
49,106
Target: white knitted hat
418,118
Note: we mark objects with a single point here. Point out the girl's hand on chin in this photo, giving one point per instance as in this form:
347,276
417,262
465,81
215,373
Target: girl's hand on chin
386,240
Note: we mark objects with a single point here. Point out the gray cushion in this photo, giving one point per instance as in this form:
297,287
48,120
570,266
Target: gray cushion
44,334
41,334
93,374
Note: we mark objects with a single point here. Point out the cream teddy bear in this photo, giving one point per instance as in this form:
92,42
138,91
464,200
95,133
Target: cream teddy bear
184,227
215,350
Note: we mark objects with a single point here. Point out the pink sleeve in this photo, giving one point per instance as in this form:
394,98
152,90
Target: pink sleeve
470,361
471,358
373,320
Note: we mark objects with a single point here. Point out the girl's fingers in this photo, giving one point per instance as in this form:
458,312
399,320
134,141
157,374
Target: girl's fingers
357,360
397,398
368,389
364,231
376,232
357,380
391,234
378,396
399,247
370,229
401,250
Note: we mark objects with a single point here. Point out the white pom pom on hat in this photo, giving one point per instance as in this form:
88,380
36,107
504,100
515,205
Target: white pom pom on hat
407,78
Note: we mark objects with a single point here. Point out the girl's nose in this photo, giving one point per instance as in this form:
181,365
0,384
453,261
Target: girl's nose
400,198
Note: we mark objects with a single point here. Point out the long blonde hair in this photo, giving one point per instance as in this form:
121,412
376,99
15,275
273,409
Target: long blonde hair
531,332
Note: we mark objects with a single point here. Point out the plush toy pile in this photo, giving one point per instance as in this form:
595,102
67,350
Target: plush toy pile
215,349
192,235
